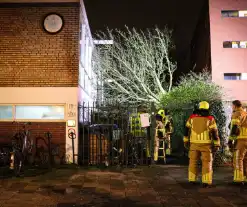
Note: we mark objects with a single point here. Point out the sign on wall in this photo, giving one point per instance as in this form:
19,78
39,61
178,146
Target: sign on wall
72,110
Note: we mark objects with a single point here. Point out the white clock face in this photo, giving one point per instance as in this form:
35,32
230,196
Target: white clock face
53,23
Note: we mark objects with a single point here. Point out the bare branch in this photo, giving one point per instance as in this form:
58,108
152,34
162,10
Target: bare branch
138,66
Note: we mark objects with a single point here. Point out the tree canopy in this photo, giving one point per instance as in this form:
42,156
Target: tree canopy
138,66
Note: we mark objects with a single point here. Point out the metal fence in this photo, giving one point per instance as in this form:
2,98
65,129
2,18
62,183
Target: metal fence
105,137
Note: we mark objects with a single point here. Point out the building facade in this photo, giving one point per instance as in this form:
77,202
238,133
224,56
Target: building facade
228,28
45,68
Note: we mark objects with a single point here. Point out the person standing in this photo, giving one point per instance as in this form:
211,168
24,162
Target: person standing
238,141
168,129
137,130
159,134
201,138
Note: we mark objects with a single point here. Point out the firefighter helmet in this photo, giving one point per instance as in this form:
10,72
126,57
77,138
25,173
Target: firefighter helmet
161,112
204,105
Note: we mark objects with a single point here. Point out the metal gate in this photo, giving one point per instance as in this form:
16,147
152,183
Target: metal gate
105,137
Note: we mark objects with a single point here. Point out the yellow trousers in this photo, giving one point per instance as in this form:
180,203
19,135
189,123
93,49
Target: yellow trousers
203,152
156,148
168,150
240,160
148,148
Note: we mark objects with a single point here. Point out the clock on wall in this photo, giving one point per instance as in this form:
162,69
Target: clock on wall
53,23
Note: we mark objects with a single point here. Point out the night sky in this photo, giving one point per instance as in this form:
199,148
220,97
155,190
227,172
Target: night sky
179,15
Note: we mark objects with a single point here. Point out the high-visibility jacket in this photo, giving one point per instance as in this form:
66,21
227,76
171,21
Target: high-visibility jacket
201,130
135,125
238,126
166,120
168,124
160,130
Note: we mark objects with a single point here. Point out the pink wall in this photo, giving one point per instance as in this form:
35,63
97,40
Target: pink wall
228,60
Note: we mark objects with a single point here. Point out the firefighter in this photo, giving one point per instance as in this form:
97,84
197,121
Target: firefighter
138,131
201,137
159,134
238,141
167,122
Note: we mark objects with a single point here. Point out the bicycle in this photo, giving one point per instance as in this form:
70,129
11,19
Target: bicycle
44,156
22,145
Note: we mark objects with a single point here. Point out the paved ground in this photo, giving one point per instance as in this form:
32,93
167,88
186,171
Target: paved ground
155,186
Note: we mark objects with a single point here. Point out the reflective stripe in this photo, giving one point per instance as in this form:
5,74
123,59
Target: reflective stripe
186,139
238,176
200,138
205,135
243,132
216,142
232,138
236,157
201,141
235,121
207,178
214,126
188,124
192,176
241,137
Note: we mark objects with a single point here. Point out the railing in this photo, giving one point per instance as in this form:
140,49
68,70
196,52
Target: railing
105,137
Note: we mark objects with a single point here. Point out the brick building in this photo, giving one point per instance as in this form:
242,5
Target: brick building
44,70
228,27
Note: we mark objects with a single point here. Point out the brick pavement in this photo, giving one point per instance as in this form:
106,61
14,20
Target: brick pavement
156,186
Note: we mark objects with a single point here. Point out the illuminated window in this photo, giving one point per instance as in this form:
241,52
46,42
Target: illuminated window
242,13
235,76
40,112
6,112
227,44
235,44
234,13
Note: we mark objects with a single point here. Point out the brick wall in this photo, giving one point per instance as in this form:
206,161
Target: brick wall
37,129
30,57
58,130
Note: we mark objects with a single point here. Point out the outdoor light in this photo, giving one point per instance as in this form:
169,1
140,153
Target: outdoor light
109,81
71,123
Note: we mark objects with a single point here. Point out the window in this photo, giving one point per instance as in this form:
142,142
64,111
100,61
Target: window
40,112
6,112
82,76
235,76
235,44
234,13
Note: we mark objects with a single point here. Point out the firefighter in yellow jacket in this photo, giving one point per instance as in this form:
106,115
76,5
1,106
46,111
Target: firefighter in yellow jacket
238,141
168,129
137,130
159,134
201,137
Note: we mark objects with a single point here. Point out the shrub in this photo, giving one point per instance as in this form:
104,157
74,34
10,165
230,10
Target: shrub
180,101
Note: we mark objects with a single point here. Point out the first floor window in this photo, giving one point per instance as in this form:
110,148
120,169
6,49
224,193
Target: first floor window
6,112
40,112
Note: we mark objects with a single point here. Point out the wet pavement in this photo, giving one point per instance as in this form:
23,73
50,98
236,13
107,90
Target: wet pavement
163,185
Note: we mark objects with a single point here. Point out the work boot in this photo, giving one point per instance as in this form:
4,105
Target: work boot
238,183
192,182
206,185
